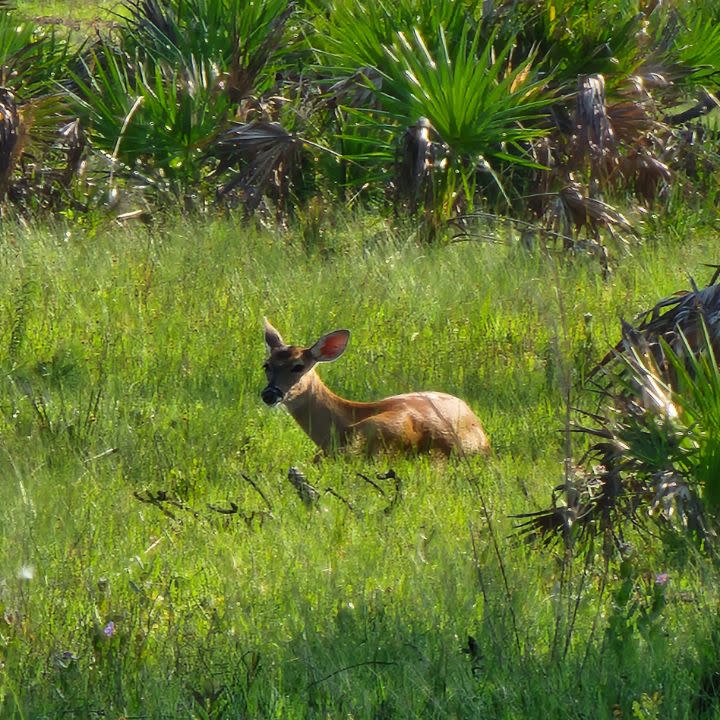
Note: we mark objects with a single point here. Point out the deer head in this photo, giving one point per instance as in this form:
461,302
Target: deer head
288,366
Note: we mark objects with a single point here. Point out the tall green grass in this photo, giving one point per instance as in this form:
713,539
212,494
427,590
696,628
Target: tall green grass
131,364
82,11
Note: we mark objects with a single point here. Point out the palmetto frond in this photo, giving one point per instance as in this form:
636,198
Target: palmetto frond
238,37
482,106
10,138
569,211
266,155
656,446
152,118
693,52
682,318
477,101
416,161
594,138
574,39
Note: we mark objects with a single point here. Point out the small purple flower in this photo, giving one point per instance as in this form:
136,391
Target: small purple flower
109,629
662,578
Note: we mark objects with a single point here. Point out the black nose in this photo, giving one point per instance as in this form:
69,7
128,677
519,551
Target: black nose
271,395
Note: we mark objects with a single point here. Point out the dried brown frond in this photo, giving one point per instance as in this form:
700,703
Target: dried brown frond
636,468
681,315
648,175
571,211
642,84
11,138
74,142
590,503
47,156
357,90
631,122
688,149
543,152
594,141
414,165
266,154
615,489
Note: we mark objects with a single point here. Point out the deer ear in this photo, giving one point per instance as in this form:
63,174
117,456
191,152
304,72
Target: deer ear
273,339
330,347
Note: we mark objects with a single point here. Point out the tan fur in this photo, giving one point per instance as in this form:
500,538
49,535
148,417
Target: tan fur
418,421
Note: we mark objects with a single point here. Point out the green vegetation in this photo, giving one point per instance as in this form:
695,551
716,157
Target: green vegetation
545,110
479,192
76,13
131,416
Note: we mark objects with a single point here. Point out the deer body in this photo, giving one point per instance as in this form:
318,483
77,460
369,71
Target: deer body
419,421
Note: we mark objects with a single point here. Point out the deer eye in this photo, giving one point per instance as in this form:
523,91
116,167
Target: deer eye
297,368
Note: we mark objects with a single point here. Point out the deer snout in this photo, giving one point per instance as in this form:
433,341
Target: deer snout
271,395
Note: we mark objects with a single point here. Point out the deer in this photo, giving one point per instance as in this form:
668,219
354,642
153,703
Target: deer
419,422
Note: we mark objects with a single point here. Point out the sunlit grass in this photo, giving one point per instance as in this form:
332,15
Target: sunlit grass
131,365
82,10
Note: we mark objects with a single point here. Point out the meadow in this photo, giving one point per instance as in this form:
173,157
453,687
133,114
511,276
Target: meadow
480,193
155,561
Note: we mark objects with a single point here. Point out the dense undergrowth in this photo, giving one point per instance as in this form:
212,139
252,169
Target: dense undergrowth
547,111
156,562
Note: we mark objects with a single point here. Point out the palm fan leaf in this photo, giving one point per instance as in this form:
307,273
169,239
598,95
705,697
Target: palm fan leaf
415,164
267,154
238,37
571,211
656,451
685,314
10,131
631,122
647,174
594,136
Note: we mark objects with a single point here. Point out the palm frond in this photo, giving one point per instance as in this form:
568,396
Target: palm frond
267,155
415,164
682,317
570,211
10,134
154,118
594,135
656,449
649,175
694,52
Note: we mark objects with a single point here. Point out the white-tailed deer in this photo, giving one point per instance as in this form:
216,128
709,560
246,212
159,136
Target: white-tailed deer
419,421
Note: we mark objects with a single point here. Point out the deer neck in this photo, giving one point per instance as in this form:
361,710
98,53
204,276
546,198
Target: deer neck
324,416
